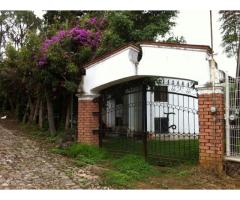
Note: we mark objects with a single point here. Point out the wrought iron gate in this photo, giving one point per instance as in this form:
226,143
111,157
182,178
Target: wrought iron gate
232,116
156,117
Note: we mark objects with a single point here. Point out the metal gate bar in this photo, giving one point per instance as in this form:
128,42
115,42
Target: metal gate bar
157,120
232,117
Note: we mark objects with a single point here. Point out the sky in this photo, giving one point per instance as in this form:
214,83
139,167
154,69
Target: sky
194,26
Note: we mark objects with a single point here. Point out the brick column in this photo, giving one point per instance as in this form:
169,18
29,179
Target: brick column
88,120
211,128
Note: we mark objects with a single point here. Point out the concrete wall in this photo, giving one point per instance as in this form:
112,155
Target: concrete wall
165,61
175,62
110,71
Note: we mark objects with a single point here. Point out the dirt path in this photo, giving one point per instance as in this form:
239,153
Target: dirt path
24,164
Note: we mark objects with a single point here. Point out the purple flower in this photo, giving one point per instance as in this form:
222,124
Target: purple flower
81,36
42,60
93,20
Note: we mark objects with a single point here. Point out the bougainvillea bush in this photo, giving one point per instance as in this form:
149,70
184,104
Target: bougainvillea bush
63,54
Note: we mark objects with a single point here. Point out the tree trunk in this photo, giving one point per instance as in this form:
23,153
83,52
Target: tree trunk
36,110
67,119
26,111
50,113
40,115
11,105
32,110
17,108
4,104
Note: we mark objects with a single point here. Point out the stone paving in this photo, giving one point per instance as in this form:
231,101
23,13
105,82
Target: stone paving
24,164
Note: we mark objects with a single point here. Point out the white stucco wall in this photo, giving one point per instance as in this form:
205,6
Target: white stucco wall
114,68
182,63
176,62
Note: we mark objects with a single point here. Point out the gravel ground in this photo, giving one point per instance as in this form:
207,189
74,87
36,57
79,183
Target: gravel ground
24,164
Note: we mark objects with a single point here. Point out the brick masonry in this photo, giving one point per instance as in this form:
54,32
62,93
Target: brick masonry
211,127
87,121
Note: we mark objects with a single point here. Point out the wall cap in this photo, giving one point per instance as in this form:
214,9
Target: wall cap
83,97
209,90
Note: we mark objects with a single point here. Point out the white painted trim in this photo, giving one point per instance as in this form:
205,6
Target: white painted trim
112,55
85,97
209,90
232,158
173,47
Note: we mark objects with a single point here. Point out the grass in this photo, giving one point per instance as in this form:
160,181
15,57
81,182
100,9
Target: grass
121,172
125,171
83,153
158,149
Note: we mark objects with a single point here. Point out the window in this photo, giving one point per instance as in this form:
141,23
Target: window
161,124
161,93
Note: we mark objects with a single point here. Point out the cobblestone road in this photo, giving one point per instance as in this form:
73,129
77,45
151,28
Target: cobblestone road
24,164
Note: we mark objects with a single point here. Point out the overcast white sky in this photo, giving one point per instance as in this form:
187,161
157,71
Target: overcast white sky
195,27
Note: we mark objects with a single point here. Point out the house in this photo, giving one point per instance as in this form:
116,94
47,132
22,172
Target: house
149,87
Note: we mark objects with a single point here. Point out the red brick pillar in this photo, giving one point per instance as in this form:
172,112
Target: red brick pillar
88,120
211,128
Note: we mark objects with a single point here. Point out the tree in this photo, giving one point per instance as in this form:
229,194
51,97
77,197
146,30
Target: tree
133,26
60,63
29,54
61,17
121,27
44,62
10,82
4,28
21,22
19,78
231,31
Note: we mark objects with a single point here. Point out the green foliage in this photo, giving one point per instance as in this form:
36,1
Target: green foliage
117,179
230,30
123,171
60,17
134,166
70,86
23,82
183,173
84,153
176,39
128,169
4,27
135,26
71,68
21,22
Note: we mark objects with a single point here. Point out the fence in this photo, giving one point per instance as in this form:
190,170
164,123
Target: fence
232,93
158,119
